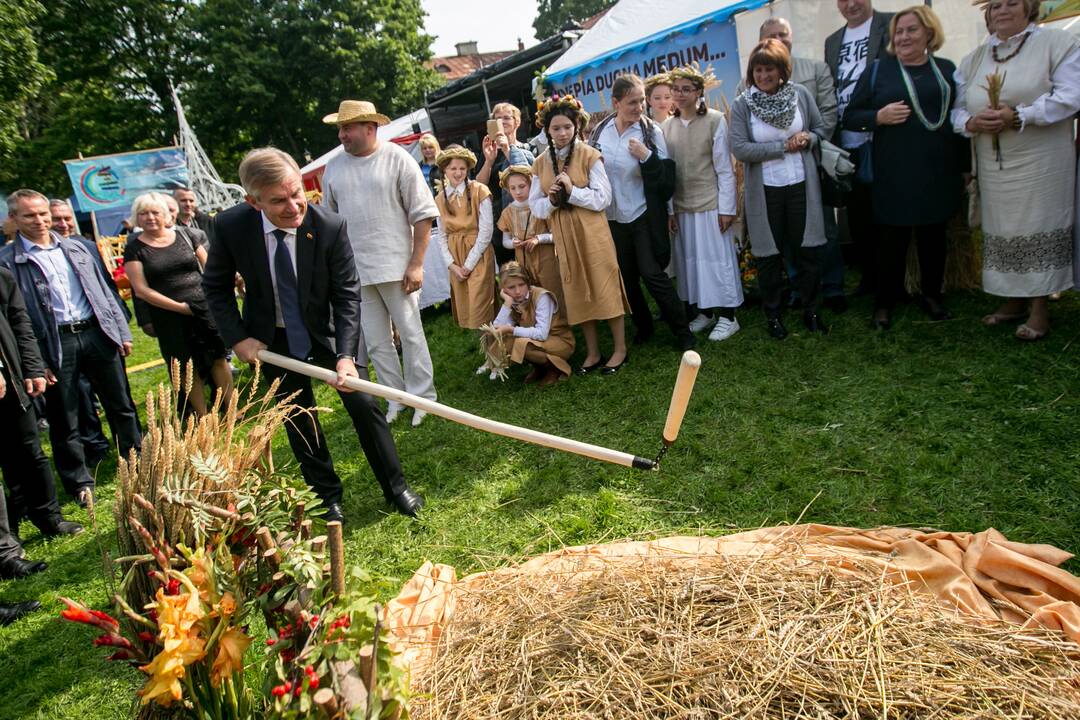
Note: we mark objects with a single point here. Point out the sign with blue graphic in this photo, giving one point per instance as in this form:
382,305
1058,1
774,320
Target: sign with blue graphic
110,182
711,45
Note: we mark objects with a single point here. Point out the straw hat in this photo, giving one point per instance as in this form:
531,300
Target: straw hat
455,152
350,111
504,176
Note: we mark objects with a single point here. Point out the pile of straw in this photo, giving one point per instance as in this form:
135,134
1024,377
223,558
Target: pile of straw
730,637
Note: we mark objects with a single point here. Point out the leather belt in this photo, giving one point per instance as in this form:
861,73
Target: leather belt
77,327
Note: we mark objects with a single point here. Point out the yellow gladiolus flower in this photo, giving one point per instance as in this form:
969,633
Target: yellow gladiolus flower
181,646
230,657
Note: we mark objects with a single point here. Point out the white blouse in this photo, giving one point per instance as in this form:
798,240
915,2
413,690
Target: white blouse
483,235
1061,103
596,196
787,170
624,170
508,238
545,308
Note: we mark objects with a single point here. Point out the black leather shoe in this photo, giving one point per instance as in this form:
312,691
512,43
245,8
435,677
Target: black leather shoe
586,369
814,324
10,612
837,304
776,328
60,526
611,370
333,513
15,568
408,502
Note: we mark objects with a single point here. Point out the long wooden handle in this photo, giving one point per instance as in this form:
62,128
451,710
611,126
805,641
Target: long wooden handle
680,396
474,421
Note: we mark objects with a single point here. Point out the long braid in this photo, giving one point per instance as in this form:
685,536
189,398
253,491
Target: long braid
468,196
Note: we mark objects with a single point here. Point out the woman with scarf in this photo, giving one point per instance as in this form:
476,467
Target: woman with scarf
775,130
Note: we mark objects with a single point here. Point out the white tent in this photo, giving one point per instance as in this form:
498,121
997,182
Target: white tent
641,29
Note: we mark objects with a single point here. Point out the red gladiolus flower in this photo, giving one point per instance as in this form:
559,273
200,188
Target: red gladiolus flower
76,612
112,640
147,637
172,587
121,655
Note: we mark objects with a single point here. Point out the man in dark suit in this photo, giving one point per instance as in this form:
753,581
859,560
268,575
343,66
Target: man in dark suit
297,266
190,216
849,52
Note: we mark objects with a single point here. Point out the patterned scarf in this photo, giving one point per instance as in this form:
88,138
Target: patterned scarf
777,109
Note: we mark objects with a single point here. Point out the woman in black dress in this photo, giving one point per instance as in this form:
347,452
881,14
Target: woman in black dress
165,272
918,161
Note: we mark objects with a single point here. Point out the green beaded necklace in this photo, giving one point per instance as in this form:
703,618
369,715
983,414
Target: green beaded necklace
946,96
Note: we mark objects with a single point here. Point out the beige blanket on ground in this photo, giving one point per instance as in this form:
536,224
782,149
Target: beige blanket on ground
983,575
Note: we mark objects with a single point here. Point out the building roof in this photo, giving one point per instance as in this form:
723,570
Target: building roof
453,67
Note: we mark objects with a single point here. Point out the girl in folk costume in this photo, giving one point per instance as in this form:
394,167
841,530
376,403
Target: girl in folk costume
570,189
659,98
464,237
531,328
527,235
706,263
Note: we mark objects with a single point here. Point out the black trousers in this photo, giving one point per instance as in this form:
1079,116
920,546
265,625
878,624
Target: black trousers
892,262
93,354
637,264
306,436
93,436
26,469
9,546
864,232
786,210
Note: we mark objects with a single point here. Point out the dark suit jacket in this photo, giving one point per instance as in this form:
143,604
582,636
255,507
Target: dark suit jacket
878,41
325,272
18,346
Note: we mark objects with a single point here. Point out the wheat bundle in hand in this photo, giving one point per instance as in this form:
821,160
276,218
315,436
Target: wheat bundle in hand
491,344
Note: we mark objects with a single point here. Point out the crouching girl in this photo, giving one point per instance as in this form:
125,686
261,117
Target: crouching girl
530,327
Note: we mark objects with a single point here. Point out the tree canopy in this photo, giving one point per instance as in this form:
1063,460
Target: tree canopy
553,15
93,76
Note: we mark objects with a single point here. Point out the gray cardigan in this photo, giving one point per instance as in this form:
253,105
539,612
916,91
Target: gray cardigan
753,154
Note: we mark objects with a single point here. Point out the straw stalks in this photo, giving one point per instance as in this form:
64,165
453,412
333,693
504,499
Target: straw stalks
493,346
722,637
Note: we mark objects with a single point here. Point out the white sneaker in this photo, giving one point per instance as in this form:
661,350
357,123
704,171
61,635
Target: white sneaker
392,411
724,329
701,322
482,369
418,417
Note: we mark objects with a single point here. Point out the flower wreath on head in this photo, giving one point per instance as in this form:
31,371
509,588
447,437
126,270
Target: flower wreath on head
504,176
654,81
561,102
457,153
703,79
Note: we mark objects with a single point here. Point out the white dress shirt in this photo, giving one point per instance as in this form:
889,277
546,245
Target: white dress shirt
483,235
545,308
787,170
1061,103
271,251
624,170
69,301
508,238
595,196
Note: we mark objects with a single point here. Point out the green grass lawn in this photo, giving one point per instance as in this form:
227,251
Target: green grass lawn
945,425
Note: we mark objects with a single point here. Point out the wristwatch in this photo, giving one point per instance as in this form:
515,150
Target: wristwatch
346,356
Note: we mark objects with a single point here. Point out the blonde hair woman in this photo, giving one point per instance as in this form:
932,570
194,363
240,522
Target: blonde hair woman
429,150
165,273
502,152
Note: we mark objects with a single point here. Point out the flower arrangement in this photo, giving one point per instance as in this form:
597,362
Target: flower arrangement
211,537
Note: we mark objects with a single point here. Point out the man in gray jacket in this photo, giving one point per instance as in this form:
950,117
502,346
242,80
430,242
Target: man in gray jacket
80,328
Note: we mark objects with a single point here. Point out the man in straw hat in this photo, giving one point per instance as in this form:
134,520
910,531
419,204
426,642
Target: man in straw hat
380,189
303,300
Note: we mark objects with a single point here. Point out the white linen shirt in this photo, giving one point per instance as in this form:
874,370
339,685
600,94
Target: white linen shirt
545,308
1061,103
271,251
785,171
624,170
508,238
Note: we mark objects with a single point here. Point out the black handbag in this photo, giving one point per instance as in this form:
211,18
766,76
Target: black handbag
864,154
